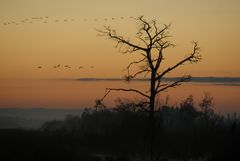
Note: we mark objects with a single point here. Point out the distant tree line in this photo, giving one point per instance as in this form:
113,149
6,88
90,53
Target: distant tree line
182,132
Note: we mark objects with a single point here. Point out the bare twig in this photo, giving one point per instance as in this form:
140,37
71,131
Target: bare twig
135,62
109,33
194,57
174,84
127,90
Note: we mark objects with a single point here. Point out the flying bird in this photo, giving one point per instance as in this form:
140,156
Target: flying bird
56,66
67,66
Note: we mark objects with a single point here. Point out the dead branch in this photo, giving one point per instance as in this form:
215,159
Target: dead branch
174,84
111,34
194,57
135,62
126,90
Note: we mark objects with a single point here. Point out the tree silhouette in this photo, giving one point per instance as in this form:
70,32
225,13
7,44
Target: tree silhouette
206,104
153,42
150,46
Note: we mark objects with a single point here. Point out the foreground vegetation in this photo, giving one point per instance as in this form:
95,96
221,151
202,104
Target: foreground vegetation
182,133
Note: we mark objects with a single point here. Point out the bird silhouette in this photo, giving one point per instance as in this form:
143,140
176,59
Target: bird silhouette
57,66
67,66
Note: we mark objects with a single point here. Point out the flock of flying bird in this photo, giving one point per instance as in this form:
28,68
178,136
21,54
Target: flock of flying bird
65,66
46,19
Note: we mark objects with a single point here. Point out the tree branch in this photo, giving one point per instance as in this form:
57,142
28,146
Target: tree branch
135,62
119,39
194,57
126,90
174,84
139,72
146,28
157,33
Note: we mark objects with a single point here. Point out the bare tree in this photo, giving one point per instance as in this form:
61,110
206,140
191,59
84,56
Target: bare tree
151,46
152,41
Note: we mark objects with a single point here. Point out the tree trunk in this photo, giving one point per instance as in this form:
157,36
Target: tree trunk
151,115
152,93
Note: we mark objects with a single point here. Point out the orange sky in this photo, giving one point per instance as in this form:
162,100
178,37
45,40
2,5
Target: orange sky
215,24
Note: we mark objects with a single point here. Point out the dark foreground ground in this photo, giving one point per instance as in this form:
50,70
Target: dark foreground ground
122,134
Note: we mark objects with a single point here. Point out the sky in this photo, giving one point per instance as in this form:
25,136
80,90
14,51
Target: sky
74,41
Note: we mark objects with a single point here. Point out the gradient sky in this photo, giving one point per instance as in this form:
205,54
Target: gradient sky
213,23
